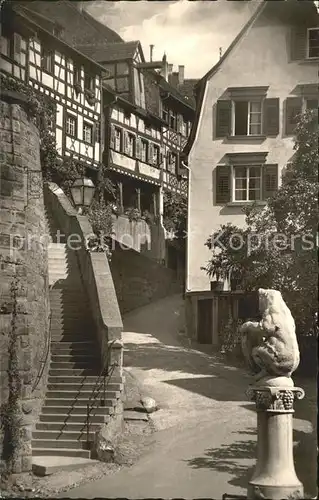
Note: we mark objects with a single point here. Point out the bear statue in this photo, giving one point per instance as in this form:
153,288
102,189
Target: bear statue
270,346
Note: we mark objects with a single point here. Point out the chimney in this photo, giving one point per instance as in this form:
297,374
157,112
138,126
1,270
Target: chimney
151,52
164,71
170,69
181,72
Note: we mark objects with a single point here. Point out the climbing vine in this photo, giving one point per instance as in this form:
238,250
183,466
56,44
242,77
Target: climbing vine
62,171
175,216
10,420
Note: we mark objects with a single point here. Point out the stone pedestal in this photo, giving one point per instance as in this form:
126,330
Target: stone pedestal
275,476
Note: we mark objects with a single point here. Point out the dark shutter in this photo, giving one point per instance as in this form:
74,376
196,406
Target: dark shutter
293,107
271,117
298,43
126,142
223,118
223,184
151,153
269,180
138,148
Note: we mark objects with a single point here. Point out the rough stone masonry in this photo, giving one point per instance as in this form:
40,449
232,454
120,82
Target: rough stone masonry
24,289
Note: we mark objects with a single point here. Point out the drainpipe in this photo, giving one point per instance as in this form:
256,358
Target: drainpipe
188,224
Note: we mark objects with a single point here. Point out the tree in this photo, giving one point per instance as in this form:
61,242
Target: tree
175,217
278,247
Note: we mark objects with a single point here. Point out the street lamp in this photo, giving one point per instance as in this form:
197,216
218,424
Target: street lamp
82,191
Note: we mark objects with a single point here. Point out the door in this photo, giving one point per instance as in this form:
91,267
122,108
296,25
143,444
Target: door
204,321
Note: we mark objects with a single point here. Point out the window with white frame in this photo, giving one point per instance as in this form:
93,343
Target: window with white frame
118,139
71,126
313,43
144,150
87,132
89,82
247,183
173,120
165,113
131,144
247,117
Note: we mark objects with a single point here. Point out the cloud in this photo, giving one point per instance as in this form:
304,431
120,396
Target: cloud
190,32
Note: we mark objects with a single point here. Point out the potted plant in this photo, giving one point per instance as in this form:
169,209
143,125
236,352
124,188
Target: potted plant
90,96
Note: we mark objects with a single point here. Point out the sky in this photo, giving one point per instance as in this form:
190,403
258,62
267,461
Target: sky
189,32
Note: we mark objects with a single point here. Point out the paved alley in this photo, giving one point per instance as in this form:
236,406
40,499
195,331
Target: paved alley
206,430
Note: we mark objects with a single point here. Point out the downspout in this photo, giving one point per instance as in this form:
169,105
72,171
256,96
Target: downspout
187,289
108,128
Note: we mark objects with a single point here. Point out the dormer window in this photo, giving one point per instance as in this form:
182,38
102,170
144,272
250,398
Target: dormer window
313,43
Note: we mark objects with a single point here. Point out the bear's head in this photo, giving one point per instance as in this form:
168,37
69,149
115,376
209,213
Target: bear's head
268,298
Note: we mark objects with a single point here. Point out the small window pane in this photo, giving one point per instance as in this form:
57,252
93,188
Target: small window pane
122,84
254,129
255,107
5,46
240,172
254,172
254,194
122,68
240,195
109,70
240,183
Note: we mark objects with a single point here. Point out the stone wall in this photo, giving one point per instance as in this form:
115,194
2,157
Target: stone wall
139,280
24,290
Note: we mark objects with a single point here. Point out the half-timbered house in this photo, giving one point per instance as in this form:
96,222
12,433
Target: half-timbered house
39,57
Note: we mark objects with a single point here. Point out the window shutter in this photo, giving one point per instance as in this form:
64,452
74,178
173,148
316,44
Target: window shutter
126,141
223,182
293,109
179,123
17,47
151,152
161,158
138,148
269,180
112,137
271,117
179,168
298,43
223,118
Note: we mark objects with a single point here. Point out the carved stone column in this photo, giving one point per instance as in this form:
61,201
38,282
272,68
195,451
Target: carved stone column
275,476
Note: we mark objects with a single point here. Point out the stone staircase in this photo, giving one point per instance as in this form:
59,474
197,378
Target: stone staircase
75,363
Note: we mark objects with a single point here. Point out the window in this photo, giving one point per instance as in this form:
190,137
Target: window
122,68
247,117
313,43
183,127
76,74
130,145
156,155
311,103
173,120
87,132
165,113
118,139
71,125
172,163
144,151
47,60
5,46
247,183
98,132
88,82
122,84
239,183
251,117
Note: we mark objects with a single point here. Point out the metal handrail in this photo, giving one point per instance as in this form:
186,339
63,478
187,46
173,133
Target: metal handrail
43,363
106,373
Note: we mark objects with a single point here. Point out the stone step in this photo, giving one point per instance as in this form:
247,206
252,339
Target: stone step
70,306
72,365
82,394
59,427
61,435
88,386
74,357
73,372
80,379
78,402
78,344
76,410
54,443
61,419
67,337
76,349
64,452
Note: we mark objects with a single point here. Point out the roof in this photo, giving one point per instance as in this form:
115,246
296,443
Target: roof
110,51
24,13
173,91
187,89
79,27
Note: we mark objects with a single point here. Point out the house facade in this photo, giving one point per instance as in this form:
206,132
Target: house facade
243,135
38,57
